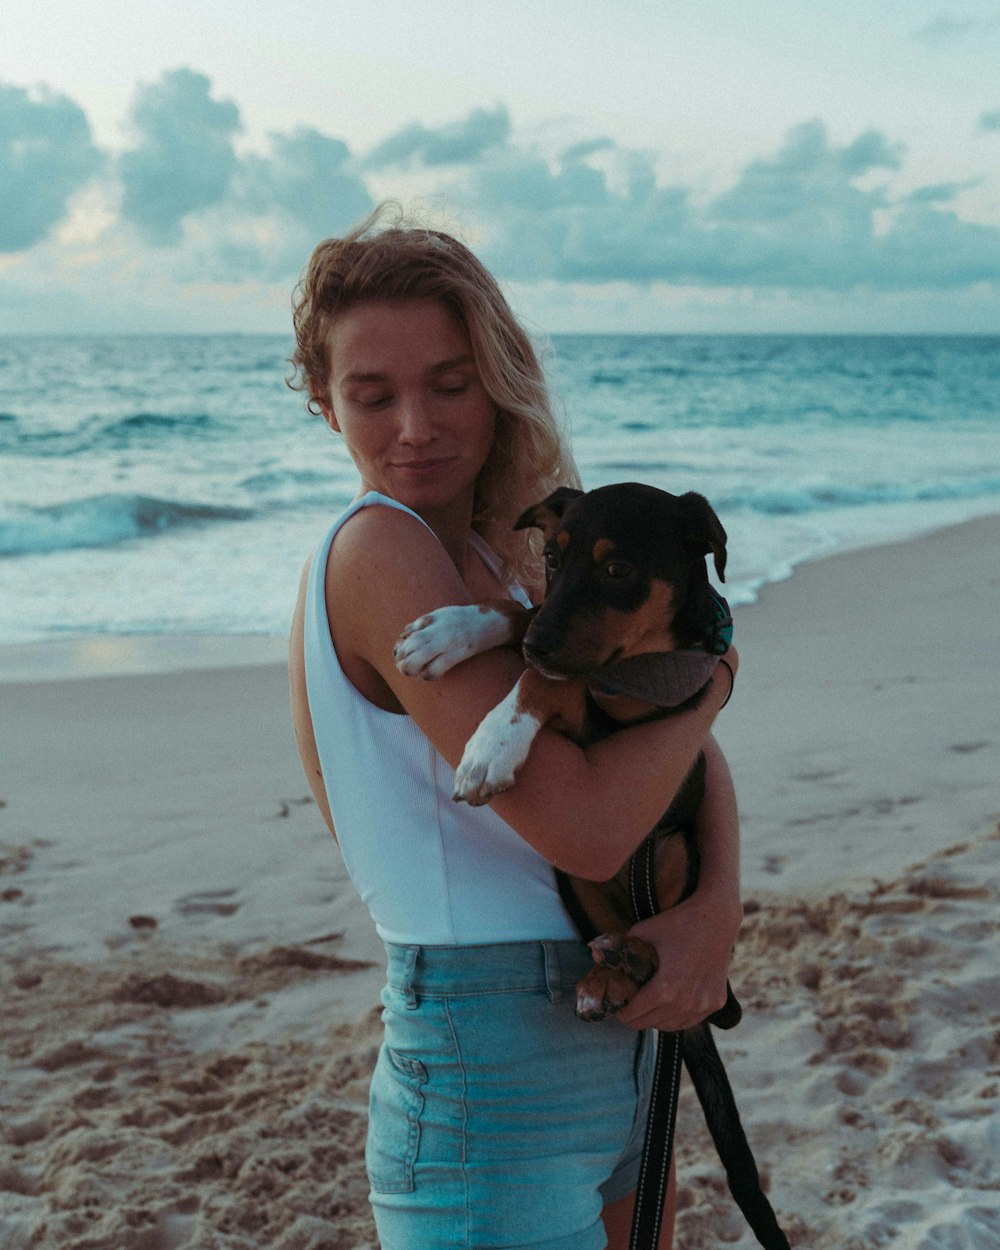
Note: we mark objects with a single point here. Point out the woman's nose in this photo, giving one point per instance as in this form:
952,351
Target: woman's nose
415,422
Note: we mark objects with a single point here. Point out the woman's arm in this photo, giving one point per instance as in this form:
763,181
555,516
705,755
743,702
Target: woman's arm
584,809
694,940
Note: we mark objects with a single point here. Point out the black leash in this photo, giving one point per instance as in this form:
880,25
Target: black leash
658,1146
666,679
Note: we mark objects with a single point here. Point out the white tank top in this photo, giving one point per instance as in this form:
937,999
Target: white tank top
431,871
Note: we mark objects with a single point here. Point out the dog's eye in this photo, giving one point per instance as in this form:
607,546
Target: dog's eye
617,569
551,558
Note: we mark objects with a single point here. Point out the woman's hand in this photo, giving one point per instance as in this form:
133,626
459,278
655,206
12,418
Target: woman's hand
694,943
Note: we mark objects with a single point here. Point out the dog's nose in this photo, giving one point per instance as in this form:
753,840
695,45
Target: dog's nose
535,651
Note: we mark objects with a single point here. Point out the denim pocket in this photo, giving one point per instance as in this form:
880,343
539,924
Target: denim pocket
395,1103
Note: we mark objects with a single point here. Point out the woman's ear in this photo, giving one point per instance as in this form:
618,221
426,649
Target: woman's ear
329,416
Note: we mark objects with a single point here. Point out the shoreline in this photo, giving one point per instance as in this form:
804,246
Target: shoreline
85,656
117,655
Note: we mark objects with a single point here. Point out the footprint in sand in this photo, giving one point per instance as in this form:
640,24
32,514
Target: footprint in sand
208,902
286,805
818,774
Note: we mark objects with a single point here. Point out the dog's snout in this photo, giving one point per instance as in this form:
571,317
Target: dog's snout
534,651
541,645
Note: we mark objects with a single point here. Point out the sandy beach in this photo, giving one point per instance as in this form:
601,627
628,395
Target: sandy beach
190,985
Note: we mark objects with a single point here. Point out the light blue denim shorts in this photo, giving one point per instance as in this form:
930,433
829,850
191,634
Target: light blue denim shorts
497,1118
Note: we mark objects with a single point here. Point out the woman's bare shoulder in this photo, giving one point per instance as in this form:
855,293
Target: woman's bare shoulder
386,570
383,564
377,530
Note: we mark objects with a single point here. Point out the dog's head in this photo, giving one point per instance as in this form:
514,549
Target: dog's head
625,572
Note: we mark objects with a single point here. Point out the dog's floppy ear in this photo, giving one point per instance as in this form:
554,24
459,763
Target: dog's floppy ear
547,514
703,532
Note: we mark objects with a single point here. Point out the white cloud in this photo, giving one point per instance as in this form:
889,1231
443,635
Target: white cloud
453,144
817,214
185,159
801,218
46,154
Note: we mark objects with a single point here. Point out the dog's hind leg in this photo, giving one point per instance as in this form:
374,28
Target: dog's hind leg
708,1076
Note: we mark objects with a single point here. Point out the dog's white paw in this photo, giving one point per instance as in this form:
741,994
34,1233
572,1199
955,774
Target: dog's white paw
494,753
477,781
433,644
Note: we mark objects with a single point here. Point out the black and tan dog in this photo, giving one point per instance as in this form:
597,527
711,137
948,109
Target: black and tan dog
630,629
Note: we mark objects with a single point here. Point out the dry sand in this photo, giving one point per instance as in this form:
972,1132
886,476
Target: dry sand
190,985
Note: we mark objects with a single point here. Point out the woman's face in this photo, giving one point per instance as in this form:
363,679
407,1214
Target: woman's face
407,399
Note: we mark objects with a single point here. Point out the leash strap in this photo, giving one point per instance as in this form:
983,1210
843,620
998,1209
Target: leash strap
658,1146
667,680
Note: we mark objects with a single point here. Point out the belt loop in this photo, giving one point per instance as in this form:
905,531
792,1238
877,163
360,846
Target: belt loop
410,976
553,984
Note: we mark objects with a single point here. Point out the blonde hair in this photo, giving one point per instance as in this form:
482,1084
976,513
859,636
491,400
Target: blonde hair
400,261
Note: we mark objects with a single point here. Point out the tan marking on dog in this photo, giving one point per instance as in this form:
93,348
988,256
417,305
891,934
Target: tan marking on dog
607,905
562,540
602,548
670,870
510,608
559,704
633,633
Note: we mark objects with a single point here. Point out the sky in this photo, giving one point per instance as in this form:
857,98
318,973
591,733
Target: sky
660,166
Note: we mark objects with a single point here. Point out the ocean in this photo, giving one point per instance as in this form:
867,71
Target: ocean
175,485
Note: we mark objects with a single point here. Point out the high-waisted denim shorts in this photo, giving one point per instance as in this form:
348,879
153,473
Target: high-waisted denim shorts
497,1118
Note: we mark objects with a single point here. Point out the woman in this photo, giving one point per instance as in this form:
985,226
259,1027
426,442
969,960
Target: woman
497,1118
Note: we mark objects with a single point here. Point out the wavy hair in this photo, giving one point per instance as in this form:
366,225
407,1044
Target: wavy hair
396,260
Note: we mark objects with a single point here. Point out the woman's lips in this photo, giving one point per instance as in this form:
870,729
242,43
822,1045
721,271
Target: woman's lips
423,466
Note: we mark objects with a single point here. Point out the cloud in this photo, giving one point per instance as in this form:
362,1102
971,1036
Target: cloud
815,214
946,30
990,121
211,212
248,215
455,143
280,205
938,193
943,29
308,177
185,159
588,147
808,217
807,180
46,154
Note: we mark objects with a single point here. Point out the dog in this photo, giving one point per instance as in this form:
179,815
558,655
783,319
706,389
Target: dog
628,604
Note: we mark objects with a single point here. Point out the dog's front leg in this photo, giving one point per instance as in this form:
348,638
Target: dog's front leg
503,739
431,645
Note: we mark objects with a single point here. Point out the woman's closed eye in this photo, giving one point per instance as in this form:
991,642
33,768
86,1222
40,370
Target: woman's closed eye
450,382
380,400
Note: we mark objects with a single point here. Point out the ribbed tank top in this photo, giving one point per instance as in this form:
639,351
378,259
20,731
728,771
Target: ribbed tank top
431,871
